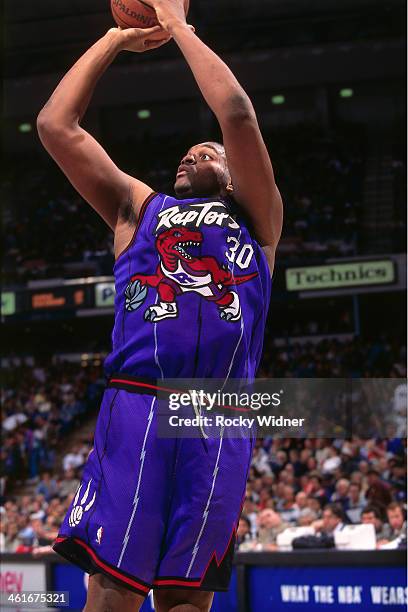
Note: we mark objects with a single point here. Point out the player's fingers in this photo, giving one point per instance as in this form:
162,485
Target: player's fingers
153,30
157,38
152,44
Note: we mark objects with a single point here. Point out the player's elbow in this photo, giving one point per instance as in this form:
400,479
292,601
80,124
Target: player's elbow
46,123
50,129
239,109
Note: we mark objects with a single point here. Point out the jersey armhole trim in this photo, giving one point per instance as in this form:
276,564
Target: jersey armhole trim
139,221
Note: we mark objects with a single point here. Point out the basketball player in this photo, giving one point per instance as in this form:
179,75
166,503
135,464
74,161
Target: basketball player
193,276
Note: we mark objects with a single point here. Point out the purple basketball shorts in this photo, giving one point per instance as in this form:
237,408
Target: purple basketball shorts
151,512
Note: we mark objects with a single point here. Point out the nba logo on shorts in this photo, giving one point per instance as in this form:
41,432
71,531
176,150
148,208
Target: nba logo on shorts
99,535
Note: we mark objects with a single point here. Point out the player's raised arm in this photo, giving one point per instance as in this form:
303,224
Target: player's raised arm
248,159
79,155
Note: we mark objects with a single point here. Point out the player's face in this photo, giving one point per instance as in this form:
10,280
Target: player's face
202,172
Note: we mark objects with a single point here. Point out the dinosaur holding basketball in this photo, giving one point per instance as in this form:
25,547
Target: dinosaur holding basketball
181,272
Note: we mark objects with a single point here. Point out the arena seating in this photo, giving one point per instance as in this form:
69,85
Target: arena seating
291,481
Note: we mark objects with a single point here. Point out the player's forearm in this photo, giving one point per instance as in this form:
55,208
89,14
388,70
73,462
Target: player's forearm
221,90
71,98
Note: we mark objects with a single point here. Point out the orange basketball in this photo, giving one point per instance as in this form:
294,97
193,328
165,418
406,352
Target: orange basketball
136,13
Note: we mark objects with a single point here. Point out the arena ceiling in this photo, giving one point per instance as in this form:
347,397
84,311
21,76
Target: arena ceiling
45,36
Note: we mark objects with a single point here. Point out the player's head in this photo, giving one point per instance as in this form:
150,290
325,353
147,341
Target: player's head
203,171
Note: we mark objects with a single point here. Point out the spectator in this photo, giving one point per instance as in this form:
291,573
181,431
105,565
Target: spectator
278,463
74,458
38,510
260,460
348,458
314,504
341,494
356,502
47,486
12,540
287,507
378,492
333,462
69,483
24,545
332,519
257,488
270,525
314,486
265,499
357,478
250,511
396,520
243,531
398,478
301,500
306,517
372,515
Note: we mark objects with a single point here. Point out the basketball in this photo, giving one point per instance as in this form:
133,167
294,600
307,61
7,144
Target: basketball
136,13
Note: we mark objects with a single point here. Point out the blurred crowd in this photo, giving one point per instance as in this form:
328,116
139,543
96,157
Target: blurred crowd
43,402
320,175
42,203
324,484
356,357
30,522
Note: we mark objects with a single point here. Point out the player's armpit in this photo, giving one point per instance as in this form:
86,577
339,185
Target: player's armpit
91,171
252,175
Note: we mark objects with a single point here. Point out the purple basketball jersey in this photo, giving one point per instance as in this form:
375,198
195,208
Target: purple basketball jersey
192,293
192,296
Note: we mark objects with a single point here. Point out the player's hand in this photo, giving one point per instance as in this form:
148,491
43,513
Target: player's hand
139,40
169,12
318,524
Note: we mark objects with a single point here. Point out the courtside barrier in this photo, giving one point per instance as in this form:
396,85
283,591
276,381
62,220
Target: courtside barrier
261,582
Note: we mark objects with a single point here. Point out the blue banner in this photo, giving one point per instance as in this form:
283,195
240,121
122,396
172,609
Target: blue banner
283,589
72,579
289,589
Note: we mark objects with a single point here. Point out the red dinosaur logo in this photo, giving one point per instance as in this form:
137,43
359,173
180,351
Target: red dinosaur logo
180,271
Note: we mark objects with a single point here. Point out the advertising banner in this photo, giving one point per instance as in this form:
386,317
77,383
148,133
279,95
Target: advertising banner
18,577
104,295
286,589
8,303
269,588
334,276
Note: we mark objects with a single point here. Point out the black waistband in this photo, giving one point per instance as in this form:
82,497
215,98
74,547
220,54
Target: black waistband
155,387
140,385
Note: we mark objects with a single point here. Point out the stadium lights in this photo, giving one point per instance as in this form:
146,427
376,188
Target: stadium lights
279,99
25,128
143,113
346,93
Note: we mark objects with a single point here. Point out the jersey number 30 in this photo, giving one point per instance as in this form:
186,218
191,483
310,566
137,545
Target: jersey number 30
239,255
